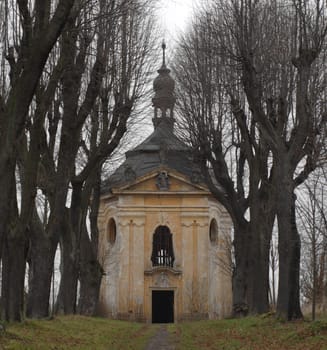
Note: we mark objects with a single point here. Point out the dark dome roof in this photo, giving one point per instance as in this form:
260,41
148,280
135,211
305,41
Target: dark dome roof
164,83
161,148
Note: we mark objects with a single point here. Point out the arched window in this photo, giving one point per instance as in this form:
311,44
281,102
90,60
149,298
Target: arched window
112,231
162,247
213,232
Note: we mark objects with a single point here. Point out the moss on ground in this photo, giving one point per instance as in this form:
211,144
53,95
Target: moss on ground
251,333
76,332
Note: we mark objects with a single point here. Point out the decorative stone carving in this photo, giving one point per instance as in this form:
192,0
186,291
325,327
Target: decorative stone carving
163,182
162,280
196,176
129,174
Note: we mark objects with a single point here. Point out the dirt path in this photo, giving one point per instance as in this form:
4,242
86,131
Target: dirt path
161,340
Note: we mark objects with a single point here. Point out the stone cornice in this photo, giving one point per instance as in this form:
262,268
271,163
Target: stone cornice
158,269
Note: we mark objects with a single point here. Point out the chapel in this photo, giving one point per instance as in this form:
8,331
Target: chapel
164,240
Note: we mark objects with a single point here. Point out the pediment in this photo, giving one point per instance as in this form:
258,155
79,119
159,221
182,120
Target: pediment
163,180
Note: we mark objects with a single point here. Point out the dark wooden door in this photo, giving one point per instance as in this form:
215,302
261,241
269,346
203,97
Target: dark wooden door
162,306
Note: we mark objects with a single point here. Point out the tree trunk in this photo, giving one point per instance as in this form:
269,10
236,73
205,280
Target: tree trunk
258,279
70,253
242,243
251,274
41,270
90,269
7,185
289,250
42,254
66,301
252,247
13,260
262,215
295,309
13,276
90,277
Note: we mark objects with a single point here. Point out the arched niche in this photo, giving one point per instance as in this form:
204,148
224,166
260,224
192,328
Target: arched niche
111,231
162,247
213,232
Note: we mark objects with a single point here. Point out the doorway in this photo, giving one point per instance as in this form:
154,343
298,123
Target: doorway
162,306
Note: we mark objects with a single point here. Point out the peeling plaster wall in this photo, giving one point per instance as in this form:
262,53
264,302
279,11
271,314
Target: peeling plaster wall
220,273
112,269
202,288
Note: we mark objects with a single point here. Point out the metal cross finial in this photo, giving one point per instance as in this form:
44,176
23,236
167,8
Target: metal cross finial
163,52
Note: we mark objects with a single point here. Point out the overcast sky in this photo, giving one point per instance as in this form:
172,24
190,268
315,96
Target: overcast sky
173,16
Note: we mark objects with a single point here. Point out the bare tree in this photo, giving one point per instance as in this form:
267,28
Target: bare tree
105,55
27,43
313,227
274,55
289,112
235,159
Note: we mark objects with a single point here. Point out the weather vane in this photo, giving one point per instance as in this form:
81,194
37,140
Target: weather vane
163,52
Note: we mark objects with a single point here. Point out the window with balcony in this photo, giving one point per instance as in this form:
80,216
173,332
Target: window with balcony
162,247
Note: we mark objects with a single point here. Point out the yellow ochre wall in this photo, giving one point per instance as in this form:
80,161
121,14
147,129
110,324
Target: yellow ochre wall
200,278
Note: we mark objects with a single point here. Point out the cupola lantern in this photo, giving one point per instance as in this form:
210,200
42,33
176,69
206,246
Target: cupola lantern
164,98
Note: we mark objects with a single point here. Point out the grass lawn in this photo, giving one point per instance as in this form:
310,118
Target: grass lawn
252,333
76,332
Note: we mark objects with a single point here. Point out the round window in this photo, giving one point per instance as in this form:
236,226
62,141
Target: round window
213,232
112,231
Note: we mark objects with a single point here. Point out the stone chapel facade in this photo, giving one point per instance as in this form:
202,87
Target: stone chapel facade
163,237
